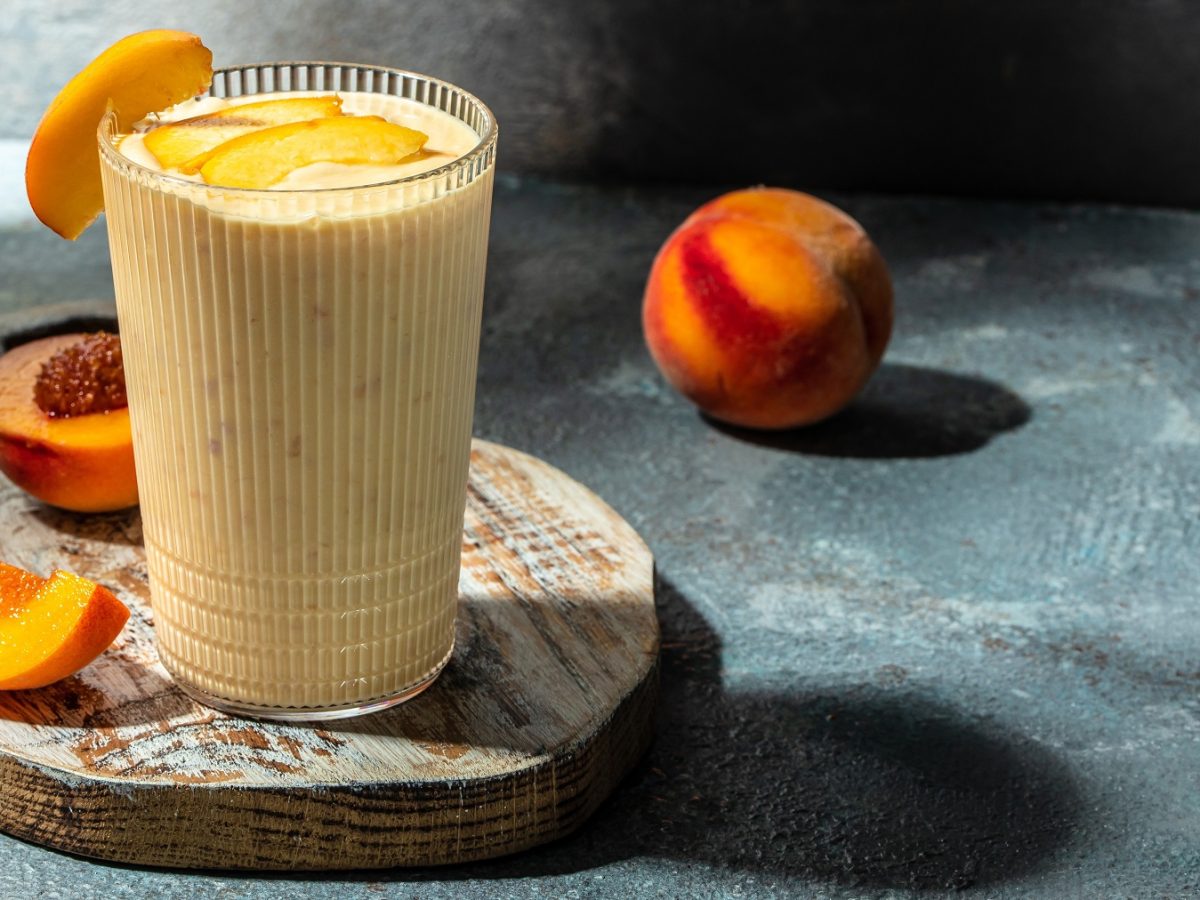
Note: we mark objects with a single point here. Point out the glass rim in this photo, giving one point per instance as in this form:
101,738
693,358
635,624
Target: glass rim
107,130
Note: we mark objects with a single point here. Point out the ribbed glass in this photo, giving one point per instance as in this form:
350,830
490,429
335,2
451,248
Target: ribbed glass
301,369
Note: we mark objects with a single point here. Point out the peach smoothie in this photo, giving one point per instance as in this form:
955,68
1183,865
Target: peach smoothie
300,360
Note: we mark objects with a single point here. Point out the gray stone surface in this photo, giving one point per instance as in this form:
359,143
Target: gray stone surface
1091,99
943,645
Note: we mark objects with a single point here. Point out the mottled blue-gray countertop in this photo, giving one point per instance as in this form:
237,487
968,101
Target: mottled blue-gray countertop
946,643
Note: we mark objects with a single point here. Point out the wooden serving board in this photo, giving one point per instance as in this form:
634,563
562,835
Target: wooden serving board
545,705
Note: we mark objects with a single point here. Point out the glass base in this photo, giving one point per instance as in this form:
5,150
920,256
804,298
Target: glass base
306,713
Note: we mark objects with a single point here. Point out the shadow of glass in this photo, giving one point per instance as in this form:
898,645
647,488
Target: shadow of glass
854,785
905,412
507,689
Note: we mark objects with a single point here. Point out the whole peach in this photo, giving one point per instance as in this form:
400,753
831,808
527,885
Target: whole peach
768,308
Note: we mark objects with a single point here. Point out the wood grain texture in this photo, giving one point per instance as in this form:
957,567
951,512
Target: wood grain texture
546,704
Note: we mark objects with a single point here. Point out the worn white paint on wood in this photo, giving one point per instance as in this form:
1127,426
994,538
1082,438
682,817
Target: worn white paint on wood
546,704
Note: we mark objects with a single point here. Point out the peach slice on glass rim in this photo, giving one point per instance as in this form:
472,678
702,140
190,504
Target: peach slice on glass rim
186,145
138,75
52,627
263,158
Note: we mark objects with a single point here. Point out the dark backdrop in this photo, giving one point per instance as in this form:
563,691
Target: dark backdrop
1090,99
1066,99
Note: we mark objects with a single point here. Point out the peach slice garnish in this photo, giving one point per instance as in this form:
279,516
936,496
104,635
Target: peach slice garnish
52,627
138,75
263,158
187,144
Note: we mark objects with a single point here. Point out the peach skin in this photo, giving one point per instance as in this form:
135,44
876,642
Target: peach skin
768,308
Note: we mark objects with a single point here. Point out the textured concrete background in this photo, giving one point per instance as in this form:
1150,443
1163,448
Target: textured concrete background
1088,99
944,645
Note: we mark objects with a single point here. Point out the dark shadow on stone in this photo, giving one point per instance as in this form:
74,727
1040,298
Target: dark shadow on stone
905,412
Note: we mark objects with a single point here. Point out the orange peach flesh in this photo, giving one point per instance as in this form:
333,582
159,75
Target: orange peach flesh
188,144
262,158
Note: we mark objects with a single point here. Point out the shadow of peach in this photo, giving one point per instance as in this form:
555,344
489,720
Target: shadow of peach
905,412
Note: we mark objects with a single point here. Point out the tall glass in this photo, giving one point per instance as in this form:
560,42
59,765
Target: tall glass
301,376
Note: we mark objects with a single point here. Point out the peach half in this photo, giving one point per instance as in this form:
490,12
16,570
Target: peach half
52,627
82,461
140,74
768,308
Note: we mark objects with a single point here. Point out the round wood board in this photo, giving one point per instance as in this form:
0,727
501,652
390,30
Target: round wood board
546,704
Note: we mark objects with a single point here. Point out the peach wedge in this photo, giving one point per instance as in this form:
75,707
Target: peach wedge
187,144
138,75
263,158
52,627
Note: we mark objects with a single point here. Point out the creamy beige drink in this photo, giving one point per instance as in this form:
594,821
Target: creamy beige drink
300,363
